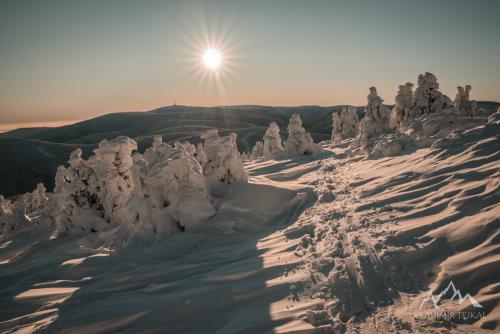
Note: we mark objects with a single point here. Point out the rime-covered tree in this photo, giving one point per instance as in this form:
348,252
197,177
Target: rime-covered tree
401,111
345,124
273,148
223,159
427,98
299,142
257,150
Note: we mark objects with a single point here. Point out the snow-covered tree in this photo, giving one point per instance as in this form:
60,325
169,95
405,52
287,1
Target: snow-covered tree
427,98
375,122
403,103
12,216
345,124
168,197
375,108
158,150
273,148
462,103
223,159
299,142
92,194
257,150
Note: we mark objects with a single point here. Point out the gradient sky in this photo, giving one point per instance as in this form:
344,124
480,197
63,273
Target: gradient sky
64,60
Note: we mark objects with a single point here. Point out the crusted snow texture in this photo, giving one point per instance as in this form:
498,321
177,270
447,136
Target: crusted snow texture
345,124
273,148
299,142
257,150
223,159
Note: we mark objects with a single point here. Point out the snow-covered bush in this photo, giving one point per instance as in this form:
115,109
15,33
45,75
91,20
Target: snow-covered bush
273,148
257,150
299,142
345,124
223,159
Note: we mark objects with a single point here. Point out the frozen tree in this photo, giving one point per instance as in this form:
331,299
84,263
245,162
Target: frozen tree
91,194
12,216
345,124
462,103
223,159
111,162
169,196
158,151
299,142
36,200
375,122
257,150
403,104
273,148
428,99
375,108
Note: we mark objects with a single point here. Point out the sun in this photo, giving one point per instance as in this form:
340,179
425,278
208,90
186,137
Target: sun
212,58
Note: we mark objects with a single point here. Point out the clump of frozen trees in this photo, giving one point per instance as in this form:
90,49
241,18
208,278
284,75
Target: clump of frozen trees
298,143
165,190
417,119
345,124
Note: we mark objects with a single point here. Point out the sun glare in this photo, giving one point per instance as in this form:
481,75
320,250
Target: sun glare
212,58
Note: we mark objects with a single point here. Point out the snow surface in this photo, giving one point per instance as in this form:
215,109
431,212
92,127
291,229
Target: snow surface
330,243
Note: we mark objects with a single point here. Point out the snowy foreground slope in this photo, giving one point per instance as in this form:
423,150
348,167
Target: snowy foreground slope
326,244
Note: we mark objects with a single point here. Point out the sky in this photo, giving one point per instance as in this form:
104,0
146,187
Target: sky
73,60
